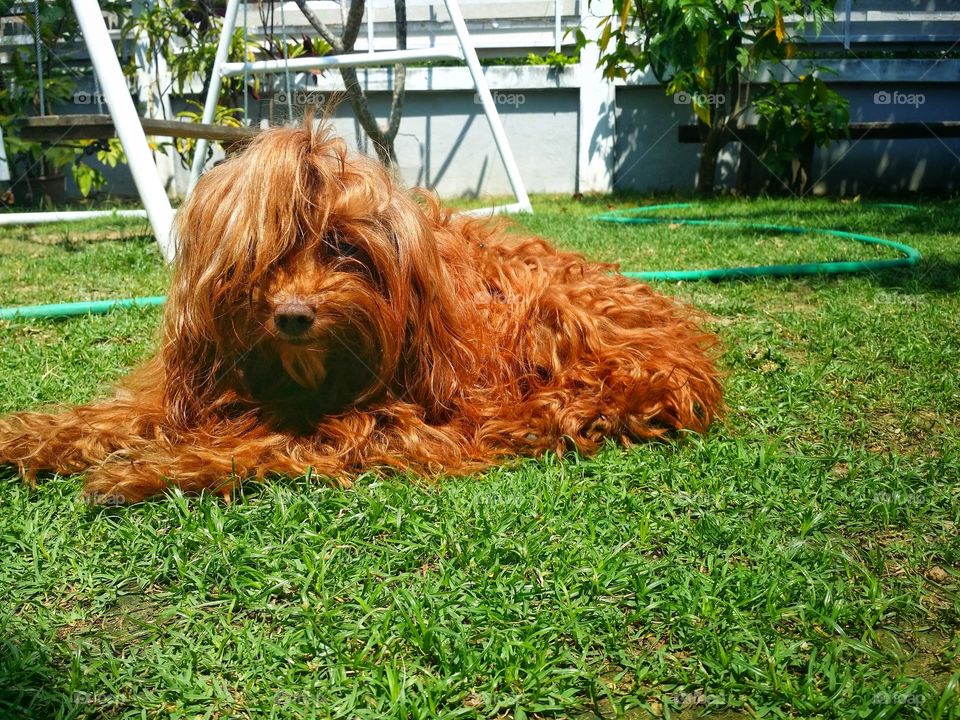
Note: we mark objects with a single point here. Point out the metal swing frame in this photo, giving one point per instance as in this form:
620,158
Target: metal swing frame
157,208
464,52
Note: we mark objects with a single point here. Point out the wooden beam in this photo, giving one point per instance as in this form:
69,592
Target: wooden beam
57,128
858,131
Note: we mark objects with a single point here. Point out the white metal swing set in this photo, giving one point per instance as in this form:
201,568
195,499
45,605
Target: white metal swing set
123,112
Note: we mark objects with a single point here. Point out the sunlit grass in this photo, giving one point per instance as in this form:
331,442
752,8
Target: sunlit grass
802,560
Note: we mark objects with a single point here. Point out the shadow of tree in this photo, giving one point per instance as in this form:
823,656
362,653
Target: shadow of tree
31,686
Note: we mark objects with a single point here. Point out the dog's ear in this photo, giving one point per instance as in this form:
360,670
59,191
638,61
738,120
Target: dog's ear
437,359
192,352
210,295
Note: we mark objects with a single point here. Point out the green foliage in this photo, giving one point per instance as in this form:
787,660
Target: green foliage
183,33
793,115
223,115
554,59
20,97
20,86
711,51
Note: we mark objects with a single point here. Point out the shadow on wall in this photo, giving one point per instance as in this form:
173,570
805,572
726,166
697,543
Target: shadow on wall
888,167
649,156
924,164
445,142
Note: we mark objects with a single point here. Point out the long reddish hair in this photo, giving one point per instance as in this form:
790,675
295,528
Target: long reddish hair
438,343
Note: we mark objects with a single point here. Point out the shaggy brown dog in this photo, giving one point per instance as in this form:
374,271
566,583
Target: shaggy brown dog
322,317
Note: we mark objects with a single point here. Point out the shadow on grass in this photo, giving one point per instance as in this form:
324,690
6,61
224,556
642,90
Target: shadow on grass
894,224
933,275
31,686
73,241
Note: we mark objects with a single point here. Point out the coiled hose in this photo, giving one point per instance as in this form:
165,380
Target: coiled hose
633,216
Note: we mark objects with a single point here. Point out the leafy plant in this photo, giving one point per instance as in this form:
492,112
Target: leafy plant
797,115
108,152
223,115
708,53
20,97
184,34
556,60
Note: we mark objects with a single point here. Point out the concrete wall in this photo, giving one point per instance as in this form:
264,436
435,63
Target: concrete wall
650,158
893,166
445,141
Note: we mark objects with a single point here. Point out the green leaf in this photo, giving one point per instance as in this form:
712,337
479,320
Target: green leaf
702,111
605,35
85,177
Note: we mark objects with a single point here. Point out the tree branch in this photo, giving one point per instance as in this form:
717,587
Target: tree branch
352,28
399,73
326,33
382,138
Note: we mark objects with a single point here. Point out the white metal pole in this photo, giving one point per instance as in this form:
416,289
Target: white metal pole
127,122
847,11
486,99
370,38
213,93
358,59
557,12
38,218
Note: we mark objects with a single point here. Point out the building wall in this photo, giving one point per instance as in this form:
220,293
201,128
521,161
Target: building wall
445,142
893,166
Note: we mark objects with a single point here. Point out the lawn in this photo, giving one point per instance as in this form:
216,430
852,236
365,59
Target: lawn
802,560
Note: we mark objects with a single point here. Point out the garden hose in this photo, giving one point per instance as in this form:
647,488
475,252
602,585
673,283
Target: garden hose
633,216
96,307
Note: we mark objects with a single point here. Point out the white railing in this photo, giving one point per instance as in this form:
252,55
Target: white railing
515,27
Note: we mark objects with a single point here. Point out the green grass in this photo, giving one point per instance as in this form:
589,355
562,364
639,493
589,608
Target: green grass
802,560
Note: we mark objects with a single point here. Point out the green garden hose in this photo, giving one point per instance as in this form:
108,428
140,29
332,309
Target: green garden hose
97,307
911,256
633,216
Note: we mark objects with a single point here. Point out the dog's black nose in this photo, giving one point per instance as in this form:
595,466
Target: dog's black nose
293,318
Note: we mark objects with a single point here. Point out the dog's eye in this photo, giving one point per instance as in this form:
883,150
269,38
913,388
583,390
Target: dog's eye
340,247
345,249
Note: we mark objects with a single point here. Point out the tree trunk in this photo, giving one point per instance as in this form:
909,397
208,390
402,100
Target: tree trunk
381,137
710,152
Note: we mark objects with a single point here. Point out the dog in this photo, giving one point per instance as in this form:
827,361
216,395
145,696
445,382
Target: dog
324,320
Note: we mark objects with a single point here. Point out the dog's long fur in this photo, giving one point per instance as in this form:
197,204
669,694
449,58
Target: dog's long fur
438,343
